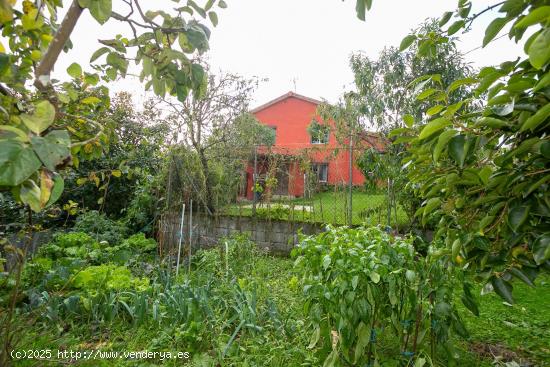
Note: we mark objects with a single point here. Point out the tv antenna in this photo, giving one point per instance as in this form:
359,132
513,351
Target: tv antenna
294,80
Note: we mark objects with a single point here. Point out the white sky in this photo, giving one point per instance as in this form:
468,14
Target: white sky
306,40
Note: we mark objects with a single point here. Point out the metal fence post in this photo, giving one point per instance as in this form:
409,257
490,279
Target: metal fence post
255,174
350,180
181,237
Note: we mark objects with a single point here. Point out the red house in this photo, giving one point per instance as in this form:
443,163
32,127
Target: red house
301,159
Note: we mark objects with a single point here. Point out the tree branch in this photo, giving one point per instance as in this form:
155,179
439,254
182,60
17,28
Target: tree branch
45,67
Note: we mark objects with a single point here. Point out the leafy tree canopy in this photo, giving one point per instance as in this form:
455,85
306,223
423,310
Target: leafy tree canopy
51,126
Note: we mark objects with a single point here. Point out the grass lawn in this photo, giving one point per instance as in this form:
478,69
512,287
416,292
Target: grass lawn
523,329
327,207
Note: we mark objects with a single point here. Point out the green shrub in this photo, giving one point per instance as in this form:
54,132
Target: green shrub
100,227
364,287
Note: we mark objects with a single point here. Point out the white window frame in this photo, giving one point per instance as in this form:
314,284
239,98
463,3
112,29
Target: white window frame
316,170
317,140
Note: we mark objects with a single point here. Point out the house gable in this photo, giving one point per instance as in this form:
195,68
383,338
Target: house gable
290,115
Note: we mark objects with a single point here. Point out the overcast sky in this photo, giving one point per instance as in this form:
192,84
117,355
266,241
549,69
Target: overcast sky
306,41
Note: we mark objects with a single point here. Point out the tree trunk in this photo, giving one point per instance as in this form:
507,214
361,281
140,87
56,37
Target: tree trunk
209,197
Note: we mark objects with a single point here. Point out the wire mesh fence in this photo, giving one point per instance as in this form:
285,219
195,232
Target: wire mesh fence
276,186
273,187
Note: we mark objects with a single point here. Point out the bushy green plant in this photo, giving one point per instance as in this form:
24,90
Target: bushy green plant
239,253
73,245
97,278
100,227
363,286
140,243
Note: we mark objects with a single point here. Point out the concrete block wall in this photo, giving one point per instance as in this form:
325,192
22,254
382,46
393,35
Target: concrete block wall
278,237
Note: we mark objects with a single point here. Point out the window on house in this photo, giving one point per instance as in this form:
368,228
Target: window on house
320,170
319,133
320,138
273,138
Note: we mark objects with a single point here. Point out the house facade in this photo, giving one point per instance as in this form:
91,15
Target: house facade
298,160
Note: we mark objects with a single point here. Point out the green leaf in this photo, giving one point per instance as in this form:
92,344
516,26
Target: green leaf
442,309
503,289
375,277
420,362
91,79
407,42
42,117
455,27
468,300
514,7
209,4
442,141
493,29
360,8
53,149
333,356
433,126
538,15
98,53
74,70
213,18
521,276
32,20
517,216
46,185
538,118
222,4
117,61
545,149
21,135
459,83
409,120
99,9
426,94
410,275
456,247
326,261
431,205
484,174
197,38
90,100
543,83
435,110
539,51
487,81
491,122
314,338
464,10
445,18
4,63
363,338
354,281
541,249
458,149
30,195
17,163
197,8
57,190
536,185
